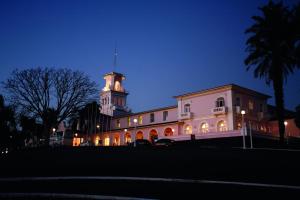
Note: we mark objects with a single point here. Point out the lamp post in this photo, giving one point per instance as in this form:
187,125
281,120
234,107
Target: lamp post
250,130
135,124
126,141
243,112
287,138
98,127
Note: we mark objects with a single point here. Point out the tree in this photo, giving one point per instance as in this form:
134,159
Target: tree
274,50
7,123
49,95
297,117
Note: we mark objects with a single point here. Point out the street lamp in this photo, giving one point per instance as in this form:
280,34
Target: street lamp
53,130
126,140
287,138
243,112
135,124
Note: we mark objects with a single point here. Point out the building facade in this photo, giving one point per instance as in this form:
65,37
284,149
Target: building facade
210,113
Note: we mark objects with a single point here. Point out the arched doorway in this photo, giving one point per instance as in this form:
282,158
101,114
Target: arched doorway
204,127
221,126
188,129
127,138
139,135
153,135
116,140
168,132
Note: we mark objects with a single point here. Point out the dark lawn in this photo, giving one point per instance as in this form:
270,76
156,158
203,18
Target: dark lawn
185,161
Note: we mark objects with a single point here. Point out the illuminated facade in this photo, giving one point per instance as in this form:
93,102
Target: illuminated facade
210,113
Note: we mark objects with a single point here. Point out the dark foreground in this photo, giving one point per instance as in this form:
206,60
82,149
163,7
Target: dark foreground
184,171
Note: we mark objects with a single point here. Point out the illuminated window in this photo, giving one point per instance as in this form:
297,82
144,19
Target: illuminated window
220,102
117,86
187,108
128,121
127,137
116,141
140,119
251,105
204,127
97,141
106,141
152,117
168,132
153,135
118,124
222,126
139,135
188,129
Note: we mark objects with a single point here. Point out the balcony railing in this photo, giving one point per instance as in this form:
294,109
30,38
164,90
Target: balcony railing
187,115
219,110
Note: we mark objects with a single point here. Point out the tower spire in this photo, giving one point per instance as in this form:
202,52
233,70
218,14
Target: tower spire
115,58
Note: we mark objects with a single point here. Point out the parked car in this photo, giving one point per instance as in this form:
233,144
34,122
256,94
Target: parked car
140,143
164,142
86,144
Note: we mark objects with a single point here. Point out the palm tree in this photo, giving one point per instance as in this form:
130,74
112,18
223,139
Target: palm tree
273,47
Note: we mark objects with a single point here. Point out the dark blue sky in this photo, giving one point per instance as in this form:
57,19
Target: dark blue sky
165,47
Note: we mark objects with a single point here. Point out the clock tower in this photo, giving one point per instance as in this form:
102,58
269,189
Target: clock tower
113,96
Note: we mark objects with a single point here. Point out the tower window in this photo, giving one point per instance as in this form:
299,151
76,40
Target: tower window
165,115
152,117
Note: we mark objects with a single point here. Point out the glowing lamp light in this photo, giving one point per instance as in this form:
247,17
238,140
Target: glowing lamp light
98,126
76,134
173,130
53,129
135,120
188,128
243,112
285,123
125,129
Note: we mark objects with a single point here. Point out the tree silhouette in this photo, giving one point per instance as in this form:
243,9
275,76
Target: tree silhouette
48,94
297,118
274,50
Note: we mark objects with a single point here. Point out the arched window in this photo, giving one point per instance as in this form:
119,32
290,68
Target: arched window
204,127
220,102
188,129
127,137
117,86
222,126
168,132
116,141
139,135
187,108
153,135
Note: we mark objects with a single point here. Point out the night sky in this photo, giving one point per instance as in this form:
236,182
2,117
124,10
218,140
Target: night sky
165,48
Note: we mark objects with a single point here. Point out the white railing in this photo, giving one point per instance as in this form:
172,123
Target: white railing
186,115
223,134
219,110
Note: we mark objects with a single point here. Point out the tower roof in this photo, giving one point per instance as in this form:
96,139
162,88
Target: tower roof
114,73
